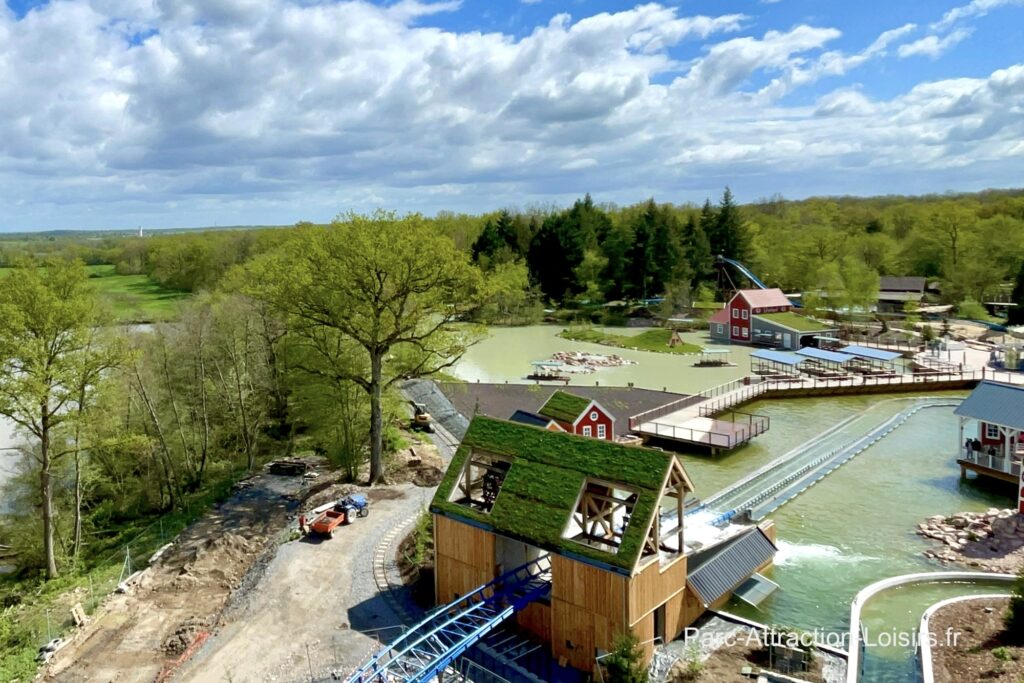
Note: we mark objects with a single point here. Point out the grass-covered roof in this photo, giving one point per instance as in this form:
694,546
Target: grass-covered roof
795,321
547,474
564,406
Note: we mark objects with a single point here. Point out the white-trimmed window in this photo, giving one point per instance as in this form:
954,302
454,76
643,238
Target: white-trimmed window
721,328
602,432
736,313
746,333
586,430
593,416
735,331
991,431
744,315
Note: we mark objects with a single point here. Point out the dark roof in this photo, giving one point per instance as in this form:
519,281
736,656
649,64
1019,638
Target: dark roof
564,406
501,400
901,284
526,418
994,402
547,472
721,569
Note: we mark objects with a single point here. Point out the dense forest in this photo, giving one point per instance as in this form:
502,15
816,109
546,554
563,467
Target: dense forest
296,338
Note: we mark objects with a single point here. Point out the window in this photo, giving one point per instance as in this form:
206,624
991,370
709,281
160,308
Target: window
593,416
746,333
991,431
602,432
602,515
735,331
721,328
736,313
482,478
586,430
744,315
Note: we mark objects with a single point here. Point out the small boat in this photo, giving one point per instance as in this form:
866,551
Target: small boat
547,371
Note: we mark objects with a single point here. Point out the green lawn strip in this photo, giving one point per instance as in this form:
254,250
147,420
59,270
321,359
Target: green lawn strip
795,322
655,340
45,608
136,298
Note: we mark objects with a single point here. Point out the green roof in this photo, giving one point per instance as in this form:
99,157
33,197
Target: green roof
564,406
548,470
794,321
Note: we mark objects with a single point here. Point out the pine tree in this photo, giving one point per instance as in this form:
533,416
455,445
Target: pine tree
1015,316
730,231
697,251
488,243
709,225
555,253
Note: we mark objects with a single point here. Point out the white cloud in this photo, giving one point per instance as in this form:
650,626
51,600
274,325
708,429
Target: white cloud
933,46
260,111
975,8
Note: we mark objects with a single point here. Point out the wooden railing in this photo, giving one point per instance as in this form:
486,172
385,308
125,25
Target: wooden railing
992,462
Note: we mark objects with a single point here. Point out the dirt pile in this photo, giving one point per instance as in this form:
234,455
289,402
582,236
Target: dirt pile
184,635
420,465
993,540
221,561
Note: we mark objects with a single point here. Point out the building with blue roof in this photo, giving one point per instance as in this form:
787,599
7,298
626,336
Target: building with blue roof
994,451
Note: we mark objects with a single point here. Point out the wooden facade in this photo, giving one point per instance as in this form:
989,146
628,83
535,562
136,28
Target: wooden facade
464,558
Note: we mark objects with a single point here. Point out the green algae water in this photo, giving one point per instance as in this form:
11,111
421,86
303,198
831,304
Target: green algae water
854,527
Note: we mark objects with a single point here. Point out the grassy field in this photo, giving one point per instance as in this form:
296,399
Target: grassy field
132,298
651,340
136,298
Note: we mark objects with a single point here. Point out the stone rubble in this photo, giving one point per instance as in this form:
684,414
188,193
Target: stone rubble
585,363
992,540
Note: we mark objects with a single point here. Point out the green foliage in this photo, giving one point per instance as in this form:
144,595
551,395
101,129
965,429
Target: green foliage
650,340
971,310
1003,654
564,406
1016,313
692,667
624,663
423,540
1013,619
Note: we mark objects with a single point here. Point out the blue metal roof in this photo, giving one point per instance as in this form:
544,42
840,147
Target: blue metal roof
777,357
722,569
873,354
829,356
999,404
528,418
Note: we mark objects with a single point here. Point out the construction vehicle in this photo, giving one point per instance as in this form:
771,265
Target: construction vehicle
342,512
421,420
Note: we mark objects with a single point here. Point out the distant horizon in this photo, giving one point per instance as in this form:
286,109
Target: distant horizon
714,198
234,113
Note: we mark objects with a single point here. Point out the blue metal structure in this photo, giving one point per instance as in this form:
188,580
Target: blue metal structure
428,648
750,276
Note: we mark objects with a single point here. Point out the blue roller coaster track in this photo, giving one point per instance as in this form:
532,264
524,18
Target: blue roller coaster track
428,648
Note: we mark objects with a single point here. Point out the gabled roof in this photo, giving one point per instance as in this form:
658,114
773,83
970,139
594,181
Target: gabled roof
901,284
721,317
764,298
995,403
564,406
546,475
872,353
528,418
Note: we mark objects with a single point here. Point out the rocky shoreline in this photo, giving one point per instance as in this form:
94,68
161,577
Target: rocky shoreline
992,540
578,362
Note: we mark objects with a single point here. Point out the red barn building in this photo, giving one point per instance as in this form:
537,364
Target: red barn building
764,317
579,415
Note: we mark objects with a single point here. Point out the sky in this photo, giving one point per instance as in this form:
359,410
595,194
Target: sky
176,113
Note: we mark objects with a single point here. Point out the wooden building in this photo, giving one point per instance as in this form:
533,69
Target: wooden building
994,450
608,516
579,415
764,317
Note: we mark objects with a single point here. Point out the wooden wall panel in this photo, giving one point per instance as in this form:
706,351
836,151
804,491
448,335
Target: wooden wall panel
590,588
653,587
536,618
691,608
464,558
573,634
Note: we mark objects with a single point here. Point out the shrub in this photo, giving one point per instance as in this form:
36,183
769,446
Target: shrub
971,310
1014,617
622,664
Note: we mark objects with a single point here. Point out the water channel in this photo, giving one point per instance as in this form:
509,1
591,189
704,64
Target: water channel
851,529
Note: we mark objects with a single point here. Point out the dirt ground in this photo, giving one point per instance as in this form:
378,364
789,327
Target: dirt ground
316,608
979,653
725,665
134,636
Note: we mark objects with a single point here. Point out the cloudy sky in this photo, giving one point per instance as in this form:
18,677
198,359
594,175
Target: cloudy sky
164,113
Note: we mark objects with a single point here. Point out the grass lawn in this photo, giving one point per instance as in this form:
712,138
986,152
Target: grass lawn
132,298
136,298
650,340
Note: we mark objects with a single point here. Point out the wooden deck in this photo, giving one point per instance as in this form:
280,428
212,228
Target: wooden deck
992,467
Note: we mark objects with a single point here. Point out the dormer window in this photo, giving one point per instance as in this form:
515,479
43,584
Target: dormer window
601,516
480,483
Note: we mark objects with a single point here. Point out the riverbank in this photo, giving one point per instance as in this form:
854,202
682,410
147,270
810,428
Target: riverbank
992,541
657,340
